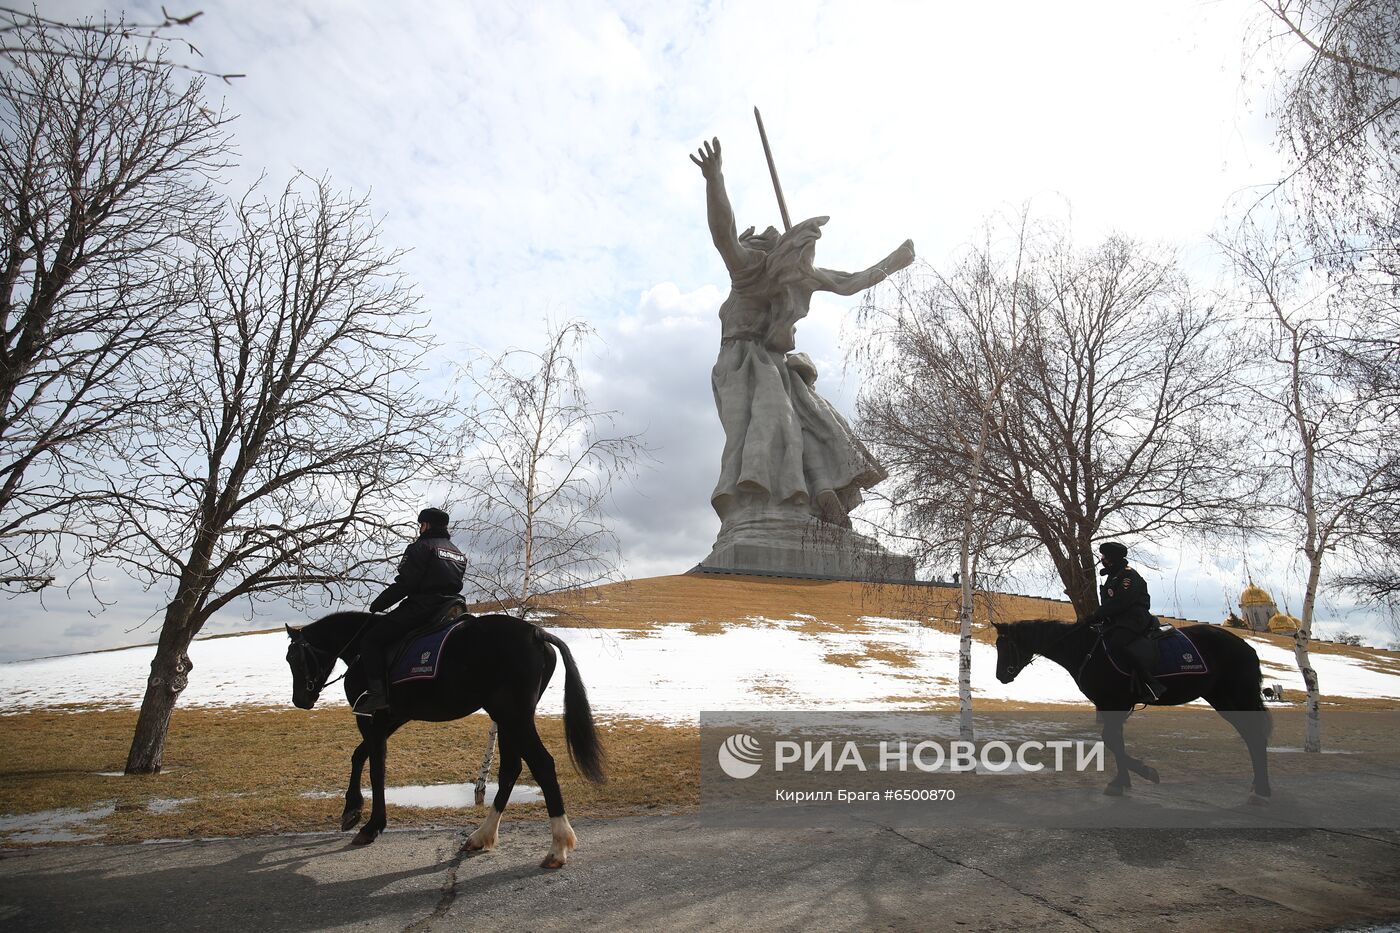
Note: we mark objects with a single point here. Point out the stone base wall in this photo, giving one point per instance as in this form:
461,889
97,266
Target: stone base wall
790,542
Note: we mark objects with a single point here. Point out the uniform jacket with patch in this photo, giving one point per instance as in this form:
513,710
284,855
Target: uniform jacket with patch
1124,600
431,569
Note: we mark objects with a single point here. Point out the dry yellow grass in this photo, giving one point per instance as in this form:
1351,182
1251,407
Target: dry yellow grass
246,771
709,602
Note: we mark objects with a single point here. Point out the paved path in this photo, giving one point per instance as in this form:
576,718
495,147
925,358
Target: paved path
673,873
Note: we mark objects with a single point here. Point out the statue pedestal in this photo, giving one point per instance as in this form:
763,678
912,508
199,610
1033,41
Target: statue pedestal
791,542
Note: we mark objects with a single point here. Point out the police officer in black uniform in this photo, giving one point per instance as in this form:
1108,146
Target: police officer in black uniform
1124,612
429,575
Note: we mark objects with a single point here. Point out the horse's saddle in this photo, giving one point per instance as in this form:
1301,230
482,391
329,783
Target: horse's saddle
1176,654
418,655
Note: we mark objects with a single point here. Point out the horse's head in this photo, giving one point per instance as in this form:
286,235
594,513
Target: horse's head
1012,656
310,667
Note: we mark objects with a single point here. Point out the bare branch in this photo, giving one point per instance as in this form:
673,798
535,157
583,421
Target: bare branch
105,166
278,464
1083,391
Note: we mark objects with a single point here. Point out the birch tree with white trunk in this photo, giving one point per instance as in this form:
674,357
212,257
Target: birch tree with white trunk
1320,449
534,491
957,339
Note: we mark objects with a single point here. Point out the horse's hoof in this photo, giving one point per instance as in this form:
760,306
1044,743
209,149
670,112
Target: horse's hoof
1256,800
1113,790
480,845
349,820
364,837
552,861
1151,774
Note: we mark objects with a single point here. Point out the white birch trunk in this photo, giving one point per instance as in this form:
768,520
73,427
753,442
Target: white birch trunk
485,765
966,567
1312,733
965,728
1314,544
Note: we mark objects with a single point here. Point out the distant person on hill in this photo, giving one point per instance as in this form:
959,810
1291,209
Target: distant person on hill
430,573
1125,614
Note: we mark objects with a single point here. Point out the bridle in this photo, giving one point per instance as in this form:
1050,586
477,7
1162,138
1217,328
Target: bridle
312,658
316,664
1016,666
1014,669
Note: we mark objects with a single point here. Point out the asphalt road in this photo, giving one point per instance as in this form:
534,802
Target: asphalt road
675,873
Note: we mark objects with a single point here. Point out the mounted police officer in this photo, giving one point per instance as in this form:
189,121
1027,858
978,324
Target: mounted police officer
430,574
1124,613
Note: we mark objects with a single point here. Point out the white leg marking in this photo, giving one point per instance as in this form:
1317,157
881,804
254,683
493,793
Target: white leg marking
485,835
563,841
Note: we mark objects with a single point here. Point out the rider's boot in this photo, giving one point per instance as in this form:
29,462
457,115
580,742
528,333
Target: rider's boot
372,700
1144,655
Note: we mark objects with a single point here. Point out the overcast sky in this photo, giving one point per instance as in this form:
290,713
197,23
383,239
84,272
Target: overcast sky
533,159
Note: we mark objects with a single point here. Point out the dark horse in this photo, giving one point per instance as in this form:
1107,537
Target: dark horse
494,662
1231,686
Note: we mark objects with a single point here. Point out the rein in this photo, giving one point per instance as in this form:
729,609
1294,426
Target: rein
1089,654
316,686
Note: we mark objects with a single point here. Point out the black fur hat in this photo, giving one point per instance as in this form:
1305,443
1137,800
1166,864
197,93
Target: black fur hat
434,518
1113,550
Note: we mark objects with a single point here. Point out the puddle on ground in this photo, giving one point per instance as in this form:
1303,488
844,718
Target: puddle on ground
455,795
166,804
54,825
442,795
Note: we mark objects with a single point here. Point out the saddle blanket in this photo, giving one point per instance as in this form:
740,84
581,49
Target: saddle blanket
1176,657
420,658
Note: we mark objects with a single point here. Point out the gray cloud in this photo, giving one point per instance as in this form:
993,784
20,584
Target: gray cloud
534,162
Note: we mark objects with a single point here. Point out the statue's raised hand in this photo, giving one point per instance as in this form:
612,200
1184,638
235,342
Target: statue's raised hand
709,159
901,257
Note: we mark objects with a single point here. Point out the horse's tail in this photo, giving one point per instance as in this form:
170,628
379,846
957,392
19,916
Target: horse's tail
585,750
1254,676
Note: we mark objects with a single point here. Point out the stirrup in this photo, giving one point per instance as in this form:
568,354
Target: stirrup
367,704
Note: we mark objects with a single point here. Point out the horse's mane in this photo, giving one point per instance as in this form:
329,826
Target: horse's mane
336,629
1034,633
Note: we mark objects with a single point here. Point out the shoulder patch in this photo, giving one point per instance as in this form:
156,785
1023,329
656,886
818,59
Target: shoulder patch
450,555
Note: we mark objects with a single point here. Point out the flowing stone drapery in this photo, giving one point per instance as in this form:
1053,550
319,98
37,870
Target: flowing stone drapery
785,445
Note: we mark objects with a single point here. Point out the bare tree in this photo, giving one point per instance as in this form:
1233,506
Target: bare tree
144,43
104,164
1109,420
535,489
1337,96
537,484
954,344
295,431
1366,357
1338,110
1322,455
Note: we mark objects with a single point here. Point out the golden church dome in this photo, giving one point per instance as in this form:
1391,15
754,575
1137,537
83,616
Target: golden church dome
1283,624
1255,596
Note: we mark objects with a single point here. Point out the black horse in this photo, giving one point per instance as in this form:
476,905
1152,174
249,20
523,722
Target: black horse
494,662
1231,686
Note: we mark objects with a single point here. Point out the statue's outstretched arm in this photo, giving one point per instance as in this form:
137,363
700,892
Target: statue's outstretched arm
849,283
721,216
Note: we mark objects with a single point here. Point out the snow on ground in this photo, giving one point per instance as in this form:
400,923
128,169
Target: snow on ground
1336,674
668,672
